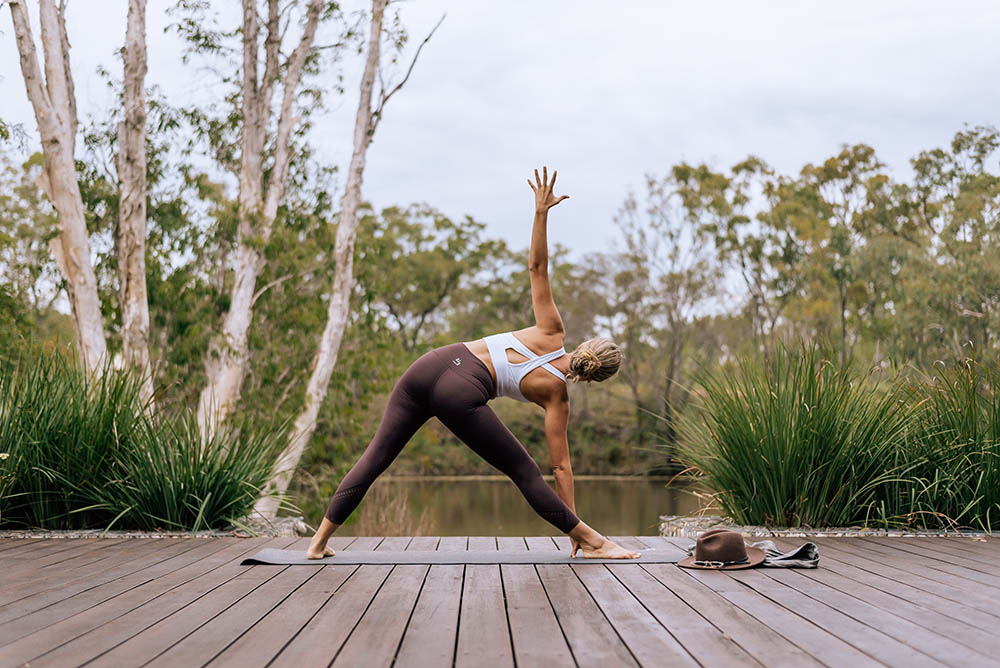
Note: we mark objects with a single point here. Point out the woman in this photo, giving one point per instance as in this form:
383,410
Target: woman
454,382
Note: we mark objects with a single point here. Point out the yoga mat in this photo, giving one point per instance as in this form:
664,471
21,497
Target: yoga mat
298,557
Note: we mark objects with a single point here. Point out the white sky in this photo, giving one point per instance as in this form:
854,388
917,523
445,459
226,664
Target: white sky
609,91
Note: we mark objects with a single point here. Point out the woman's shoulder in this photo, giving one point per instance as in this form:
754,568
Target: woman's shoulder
540,341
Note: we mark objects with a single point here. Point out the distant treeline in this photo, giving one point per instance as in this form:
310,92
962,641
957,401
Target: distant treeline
708,265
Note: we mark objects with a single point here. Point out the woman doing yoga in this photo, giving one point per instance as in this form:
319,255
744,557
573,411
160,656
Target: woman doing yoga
453,383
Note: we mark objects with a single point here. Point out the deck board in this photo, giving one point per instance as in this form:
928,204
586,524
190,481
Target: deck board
187,601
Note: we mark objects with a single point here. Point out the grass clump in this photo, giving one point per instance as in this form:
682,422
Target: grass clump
953,458
797,441
85,452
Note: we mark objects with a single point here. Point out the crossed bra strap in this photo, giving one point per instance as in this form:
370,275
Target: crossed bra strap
510,374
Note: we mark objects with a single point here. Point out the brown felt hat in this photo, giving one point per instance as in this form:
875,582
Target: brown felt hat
722,550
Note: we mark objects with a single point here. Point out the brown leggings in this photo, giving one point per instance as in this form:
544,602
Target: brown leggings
453,385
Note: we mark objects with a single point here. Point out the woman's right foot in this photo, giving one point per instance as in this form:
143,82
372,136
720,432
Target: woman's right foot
319,553
607,550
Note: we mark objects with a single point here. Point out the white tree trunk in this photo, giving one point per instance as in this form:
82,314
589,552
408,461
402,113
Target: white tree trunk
227,356
343,282
131,233
54,104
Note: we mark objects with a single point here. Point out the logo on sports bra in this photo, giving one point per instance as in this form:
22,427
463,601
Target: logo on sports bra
457,361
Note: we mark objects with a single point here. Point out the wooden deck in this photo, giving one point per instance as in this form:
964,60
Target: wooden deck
188,602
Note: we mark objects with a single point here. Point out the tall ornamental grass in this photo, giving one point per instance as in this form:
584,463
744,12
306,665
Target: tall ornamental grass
953,459
79,452
796,441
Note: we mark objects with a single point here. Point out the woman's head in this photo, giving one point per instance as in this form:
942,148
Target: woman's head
595,359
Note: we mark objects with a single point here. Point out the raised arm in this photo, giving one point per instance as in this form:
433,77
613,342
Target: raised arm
547,316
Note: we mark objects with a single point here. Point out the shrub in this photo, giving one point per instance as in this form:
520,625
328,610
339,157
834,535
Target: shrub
797,441
953,458
83,452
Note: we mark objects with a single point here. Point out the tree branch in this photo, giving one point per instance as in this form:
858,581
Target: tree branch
33,81
383,97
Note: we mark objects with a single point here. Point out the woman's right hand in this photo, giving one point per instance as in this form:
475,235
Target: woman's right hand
544,199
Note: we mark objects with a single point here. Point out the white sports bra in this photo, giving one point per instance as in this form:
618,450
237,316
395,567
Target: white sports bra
510,374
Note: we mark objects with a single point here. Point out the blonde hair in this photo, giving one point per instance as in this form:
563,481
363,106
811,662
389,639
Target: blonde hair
596,359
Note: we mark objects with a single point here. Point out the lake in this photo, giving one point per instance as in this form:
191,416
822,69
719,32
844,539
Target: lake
492,506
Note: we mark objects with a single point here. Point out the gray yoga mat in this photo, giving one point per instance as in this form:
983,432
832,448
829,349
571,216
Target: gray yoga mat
298,557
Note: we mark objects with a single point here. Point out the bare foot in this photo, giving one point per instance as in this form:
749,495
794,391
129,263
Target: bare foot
315,553
607,550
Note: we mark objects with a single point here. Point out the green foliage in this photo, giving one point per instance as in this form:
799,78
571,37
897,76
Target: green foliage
82,452
955,478
797,441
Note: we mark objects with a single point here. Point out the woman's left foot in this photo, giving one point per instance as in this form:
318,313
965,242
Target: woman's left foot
316,553
607,550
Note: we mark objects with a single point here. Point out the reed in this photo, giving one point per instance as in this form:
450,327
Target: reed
797,441
83,452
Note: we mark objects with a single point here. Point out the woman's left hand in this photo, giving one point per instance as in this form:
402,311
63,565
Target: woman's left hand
544,199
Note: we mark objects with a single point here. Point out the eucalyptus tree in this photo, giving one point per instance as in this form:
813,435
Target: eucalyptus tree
253,137
419,257
130,235
366,122
849,186
669,277
957,202
53,99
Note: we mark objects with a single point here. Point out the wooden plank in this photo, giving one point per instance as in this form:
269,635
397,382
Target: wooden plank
82,552
429,638
482,626
753,636
943,546
661,543
535,632
146,605
29,549
482,544
34,612
62,549
698,636
821,608
265,640
963,578
850,598
973,567
972,547
593,639
365,543
393,544
377,636
424,543
212,637
541,543
920,580
953,619
18,543
323,636
114,562
813,639
511,544
194,604
453,544
649,642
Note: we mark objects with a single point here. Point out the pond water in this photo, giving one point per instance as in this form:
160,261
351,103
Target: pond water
488,506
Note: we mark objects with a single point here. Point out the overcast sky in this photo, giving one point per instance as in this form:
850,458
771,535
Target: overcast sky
609,91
